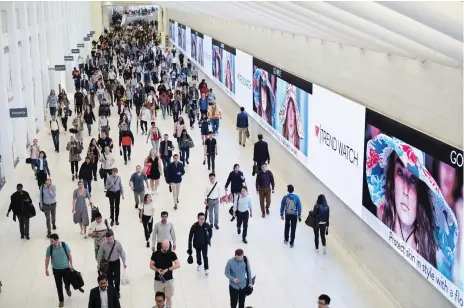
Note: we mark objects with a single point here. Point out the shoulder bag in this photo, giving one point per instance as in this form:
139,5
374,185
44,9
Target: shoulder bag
41,205
108,192
101,172
207,197
248,289
104,264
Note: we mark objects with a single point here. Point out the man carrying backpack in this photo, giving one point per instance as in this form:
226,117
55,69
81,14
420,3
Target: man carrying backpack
290,211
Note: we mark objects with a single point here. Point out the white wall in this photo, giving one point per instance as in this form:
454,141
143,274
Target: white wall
381,264
47,32
427,97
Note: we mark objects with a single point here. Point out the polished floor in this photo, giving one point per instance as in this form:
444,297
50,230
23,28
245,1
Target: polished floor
290,278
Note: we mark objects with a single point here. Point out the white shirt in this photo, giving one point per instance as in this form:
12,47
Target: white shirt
215,194
148,209
111,75
54,125
147,115
104,298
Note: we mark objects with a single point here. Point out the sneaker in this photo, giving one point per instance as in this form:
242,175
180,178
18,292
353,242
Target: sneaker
285,242
216,226
54,227
198,268
245,241
117,223
73,177
316,250
125,163
148,244
27,237
48,234
175,206
239,230
291,245
136,206
68,292
61,304
206,272
264,216
267,211
324,250
112,222
22,236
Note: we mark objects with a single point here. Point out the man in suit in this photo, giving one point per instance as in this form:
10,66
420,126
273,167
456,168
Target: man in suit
103,295
19,203
261,152
166,148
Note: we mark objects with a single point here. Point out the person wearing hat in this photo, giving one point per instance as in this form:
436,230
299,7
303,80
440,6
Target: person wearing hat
19,199
409,201
290,211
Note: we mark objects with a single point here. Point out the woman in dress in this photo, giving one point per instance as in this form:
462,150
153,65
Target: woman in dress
42,169
153,170
79,207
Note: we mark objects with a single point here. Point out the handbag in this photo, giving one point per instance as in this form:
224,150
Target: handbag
28,160
255,170
247,133
41,205
248,289
104,264
191,144
311,220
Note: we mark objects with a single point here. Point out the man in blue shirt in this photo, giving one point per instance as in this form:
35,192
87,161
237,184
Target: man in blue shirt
242,126
60,255
174,173
238,271
137,182
291,208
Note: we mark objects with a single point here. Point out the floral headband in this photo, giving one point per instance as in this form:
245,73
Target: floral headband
291,95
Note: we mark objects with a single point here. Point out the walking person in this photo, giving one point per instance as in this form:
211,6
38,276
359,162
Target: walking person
42,172
97,231
200,238
145,118
264,185
93,153
114,192
146,217
261,153
185,143
61,259
107,163
163,230
104,296
63,113
112,251
152,168
79,207
154,135
236,179
242,209
214,115
126,141
78,101
238,271
19,201
242,126
55,132
179,126
323,301
212,197
166,148
34,151
85,174
78,125
290,211
52,102
174,173
160,300
203,124
48,202
322,213
75,150
163,262
89,118
210,151
137,183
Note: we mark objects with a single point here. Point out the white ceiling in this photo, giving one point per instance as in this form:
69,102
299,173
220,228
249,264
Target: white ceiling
431,31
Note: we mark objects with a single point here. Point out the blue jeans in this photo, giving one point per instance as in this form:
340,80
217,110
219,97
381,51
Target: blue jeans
88,185
163,110
184,154
215,125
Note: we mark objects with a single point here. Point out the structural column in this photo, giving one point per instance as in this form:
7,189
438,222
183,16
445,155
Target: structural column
40,98
27,71
15,65
44,59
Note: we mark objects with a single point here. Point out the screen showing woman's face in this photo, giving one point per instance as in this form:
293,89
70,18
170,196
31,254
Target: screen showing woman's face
405,194
263,98
447,175
291,117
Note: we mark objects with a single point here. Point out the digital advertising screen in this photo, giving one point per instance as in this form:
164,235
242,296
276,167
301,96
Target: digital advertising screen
181,36
176,37
281,100
413,198
208,55
223,65
188,43
171,29
196,47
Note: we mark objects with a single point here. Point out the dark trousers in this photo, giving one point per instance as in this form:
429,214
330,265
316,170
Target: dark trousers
202,251
56,139
106,173
62,275
129,103
64,122
211,157
79,108
242,217
319,229
137,109
94,170
143,126
184,154
290,226
166,161
147,226
126,150
237,297
114,274
52,111
88,185
74,167
115,199
23,225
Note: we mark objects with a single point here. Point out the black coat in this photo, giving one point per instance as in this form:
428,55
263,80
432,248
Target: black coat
85,172
95,301
18,203
236,181
261,152
163,147
138,98
200,236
